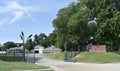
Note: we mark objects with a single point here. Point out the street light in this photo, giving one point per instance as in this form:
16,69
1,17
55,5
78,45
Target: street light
23,39
91,40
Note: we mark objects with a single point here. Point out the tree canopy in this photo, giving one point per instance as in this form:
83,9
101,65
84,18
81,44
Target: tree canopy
85,18
107,14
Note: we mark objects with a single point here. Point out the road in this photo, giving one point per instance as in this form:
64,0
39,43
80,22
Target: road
72,66
89,67
42,60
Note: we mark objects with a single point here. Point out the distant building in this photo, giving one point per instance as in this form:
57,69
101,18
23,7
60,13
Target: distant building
16,50
41,49
38,49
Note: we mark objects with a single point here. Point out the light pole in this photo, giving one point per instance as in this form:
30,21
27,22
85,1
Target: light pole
34,57
23,39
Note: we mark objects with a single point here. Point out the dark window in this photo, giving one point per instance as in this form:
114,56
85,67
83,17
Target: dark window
36,51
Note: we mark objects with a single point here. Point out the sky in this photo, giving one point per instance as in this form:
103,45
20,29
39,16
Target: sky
29,16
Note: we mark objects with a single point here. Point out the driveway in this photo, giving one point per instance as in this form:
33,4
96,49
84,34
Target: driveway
41,60
71,66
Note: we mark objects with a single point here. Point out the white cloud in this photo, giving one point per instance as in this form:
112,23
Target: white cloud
14,5
17,10
17,16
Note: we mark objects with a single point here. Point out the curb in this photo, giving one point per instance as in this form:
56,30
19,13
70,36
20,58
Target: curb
56,68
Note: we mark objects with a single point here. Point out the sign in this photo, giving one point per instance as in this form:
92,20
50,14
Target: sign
97,48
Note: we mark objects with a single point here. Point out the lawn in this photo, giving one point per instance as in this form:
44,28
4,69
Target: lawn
12,66
89,57
98,57
57,55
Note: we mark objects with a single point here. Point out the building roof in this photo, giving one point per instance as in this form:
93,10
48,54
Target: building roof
38,46
16,48
51,48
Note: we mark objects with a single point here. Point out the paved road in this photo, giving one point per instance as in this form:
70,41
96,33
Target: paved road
89,67
71,66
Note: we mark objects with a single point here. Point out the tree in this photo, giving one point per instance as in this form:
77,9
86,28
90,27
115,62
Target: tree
77,26
60,23
9,44
52,38
72,22
29,44
36,40
43,40
0,47
76,22
81,26
106,14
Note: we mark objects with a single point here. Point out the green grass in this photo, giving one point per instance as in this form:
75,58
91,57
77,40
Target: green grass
98,57
11,66
89,57
57,55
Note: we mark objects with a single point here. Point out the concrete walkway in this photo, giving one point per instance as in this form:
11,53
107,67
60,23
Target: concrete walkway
71,66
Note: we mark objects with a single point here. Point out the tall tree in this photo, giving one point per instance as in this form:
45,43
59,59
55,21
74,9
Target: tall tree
107,14
60,23
36,40
76,22
29,44
9,44
42,37
77,26
52,38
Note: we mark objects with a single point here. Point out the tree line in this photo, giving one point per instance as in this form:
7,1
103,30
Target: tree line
41,39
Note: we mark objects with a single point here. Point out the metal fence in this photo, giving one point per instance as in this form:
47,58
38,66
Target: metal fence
71,55
17,57
11,56
30,57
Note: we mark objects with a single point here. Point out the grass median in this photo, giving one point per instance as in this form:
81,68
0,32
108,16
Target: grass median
15,66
